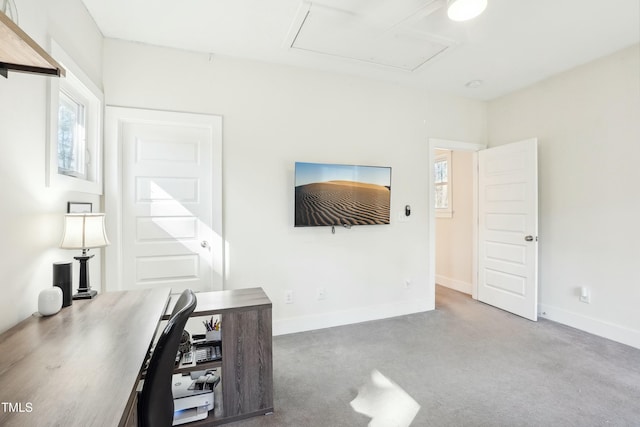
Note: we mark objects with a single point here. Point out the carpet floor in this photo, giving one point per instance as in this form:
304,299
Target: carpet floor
465,363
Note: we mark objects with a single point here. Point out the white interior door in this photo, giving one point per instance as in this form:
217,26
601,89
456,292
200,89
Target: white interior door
508,227
166,235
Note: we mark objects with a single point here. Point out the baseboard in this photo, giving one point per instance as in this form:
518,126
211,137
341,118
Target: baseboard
597,327
456,285
340,318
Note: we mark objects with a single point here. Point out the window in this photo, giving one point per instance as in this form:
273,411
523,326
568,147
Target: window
75,141
442,183
71,136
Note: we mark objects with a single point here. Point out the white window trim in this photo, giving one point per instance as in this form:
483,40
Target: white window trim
77,82
448,211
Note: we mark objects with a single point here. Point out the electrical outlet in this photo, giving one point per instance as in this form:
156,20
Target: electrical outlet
322,294
585,295
288,297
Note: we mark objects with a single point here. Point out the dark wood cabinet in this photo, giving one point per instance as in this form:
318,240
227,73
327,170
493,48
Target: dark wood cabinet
246,356
246,367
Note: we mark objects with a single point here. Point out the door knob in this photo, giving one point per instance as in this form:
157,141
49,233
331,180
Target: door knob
204,244
529,238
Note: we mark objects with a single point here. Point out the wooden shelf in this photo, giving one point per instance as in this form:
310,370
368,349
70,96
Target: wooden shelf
183,368
19,52
217,416
199,367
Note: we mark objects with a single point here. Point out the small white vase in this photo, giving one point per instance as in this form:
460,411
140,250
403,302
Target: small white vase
50,301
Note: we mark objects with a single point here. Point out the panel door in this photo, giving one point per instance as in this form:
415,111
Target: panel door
166,203
508,227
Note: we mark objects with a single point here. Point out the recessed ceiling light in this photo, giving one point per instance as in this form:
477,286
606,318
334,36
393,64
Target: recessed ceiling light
463,10
473,84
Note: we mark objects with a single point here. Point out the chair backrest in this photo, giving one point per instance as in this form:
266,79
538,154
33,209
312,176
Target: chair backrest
181,302
155,402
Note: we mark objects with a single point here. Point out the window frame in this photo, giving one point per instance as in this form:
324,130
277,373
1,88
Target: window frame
443,155
79,87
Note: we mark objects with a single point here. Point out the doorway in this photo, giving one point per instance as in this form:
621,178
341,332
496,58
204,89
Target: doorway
456,146
505,224
454,219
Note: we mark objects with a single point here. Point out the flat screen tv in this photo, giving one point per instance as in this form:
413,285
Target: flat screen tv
333,194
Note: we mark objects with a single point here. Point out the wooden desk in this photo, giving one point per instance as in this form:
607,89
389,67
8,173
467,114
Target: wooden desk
81,366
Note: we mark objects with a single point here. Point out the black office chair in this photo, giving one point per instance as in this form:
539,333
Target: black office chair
155,401
182,301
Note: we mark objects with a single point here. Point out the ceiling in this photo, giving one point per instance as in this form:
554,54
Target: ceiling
513,44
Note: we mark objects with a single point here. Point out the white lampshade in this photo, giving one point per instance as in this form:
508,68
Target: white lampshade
84,231
463,10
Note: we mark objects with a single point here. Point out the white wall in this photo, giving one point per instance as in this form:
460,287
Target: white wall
454,236
31,214
587,121
275,115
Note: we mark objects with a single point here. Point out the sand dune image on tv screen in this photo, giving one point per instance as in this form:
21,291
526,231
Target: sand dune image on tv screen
341,202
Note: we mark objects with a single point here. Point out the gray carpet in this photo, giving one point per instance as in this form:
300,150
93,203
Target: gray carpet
466,364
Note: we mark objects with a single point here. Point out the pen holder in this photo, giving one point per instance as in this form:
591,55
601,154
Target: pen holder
213,335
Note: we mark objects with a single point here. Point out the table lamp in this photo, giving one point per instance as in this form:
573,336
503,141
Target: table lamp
84,231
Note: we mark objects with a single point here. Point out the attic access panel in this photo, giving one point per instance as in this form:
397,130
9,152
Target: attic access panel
347,34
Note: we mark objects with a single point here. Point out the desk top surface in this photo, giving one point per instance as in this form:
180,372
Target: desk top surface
217,302
80,366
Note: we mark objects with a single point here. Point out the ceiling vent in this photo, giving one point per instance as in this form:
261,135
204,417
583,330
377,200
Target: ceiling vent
368,37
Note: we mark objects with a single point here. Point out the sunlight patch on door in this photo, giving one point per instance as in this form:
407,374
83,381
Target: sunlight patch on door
204,239
180,190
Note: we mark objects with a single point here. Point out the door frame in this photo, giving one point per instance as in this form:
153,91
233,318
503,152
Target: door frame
112,264
453,145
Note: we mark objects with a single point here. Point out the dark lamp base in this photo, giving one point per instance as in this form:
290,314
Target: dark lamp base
88,294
